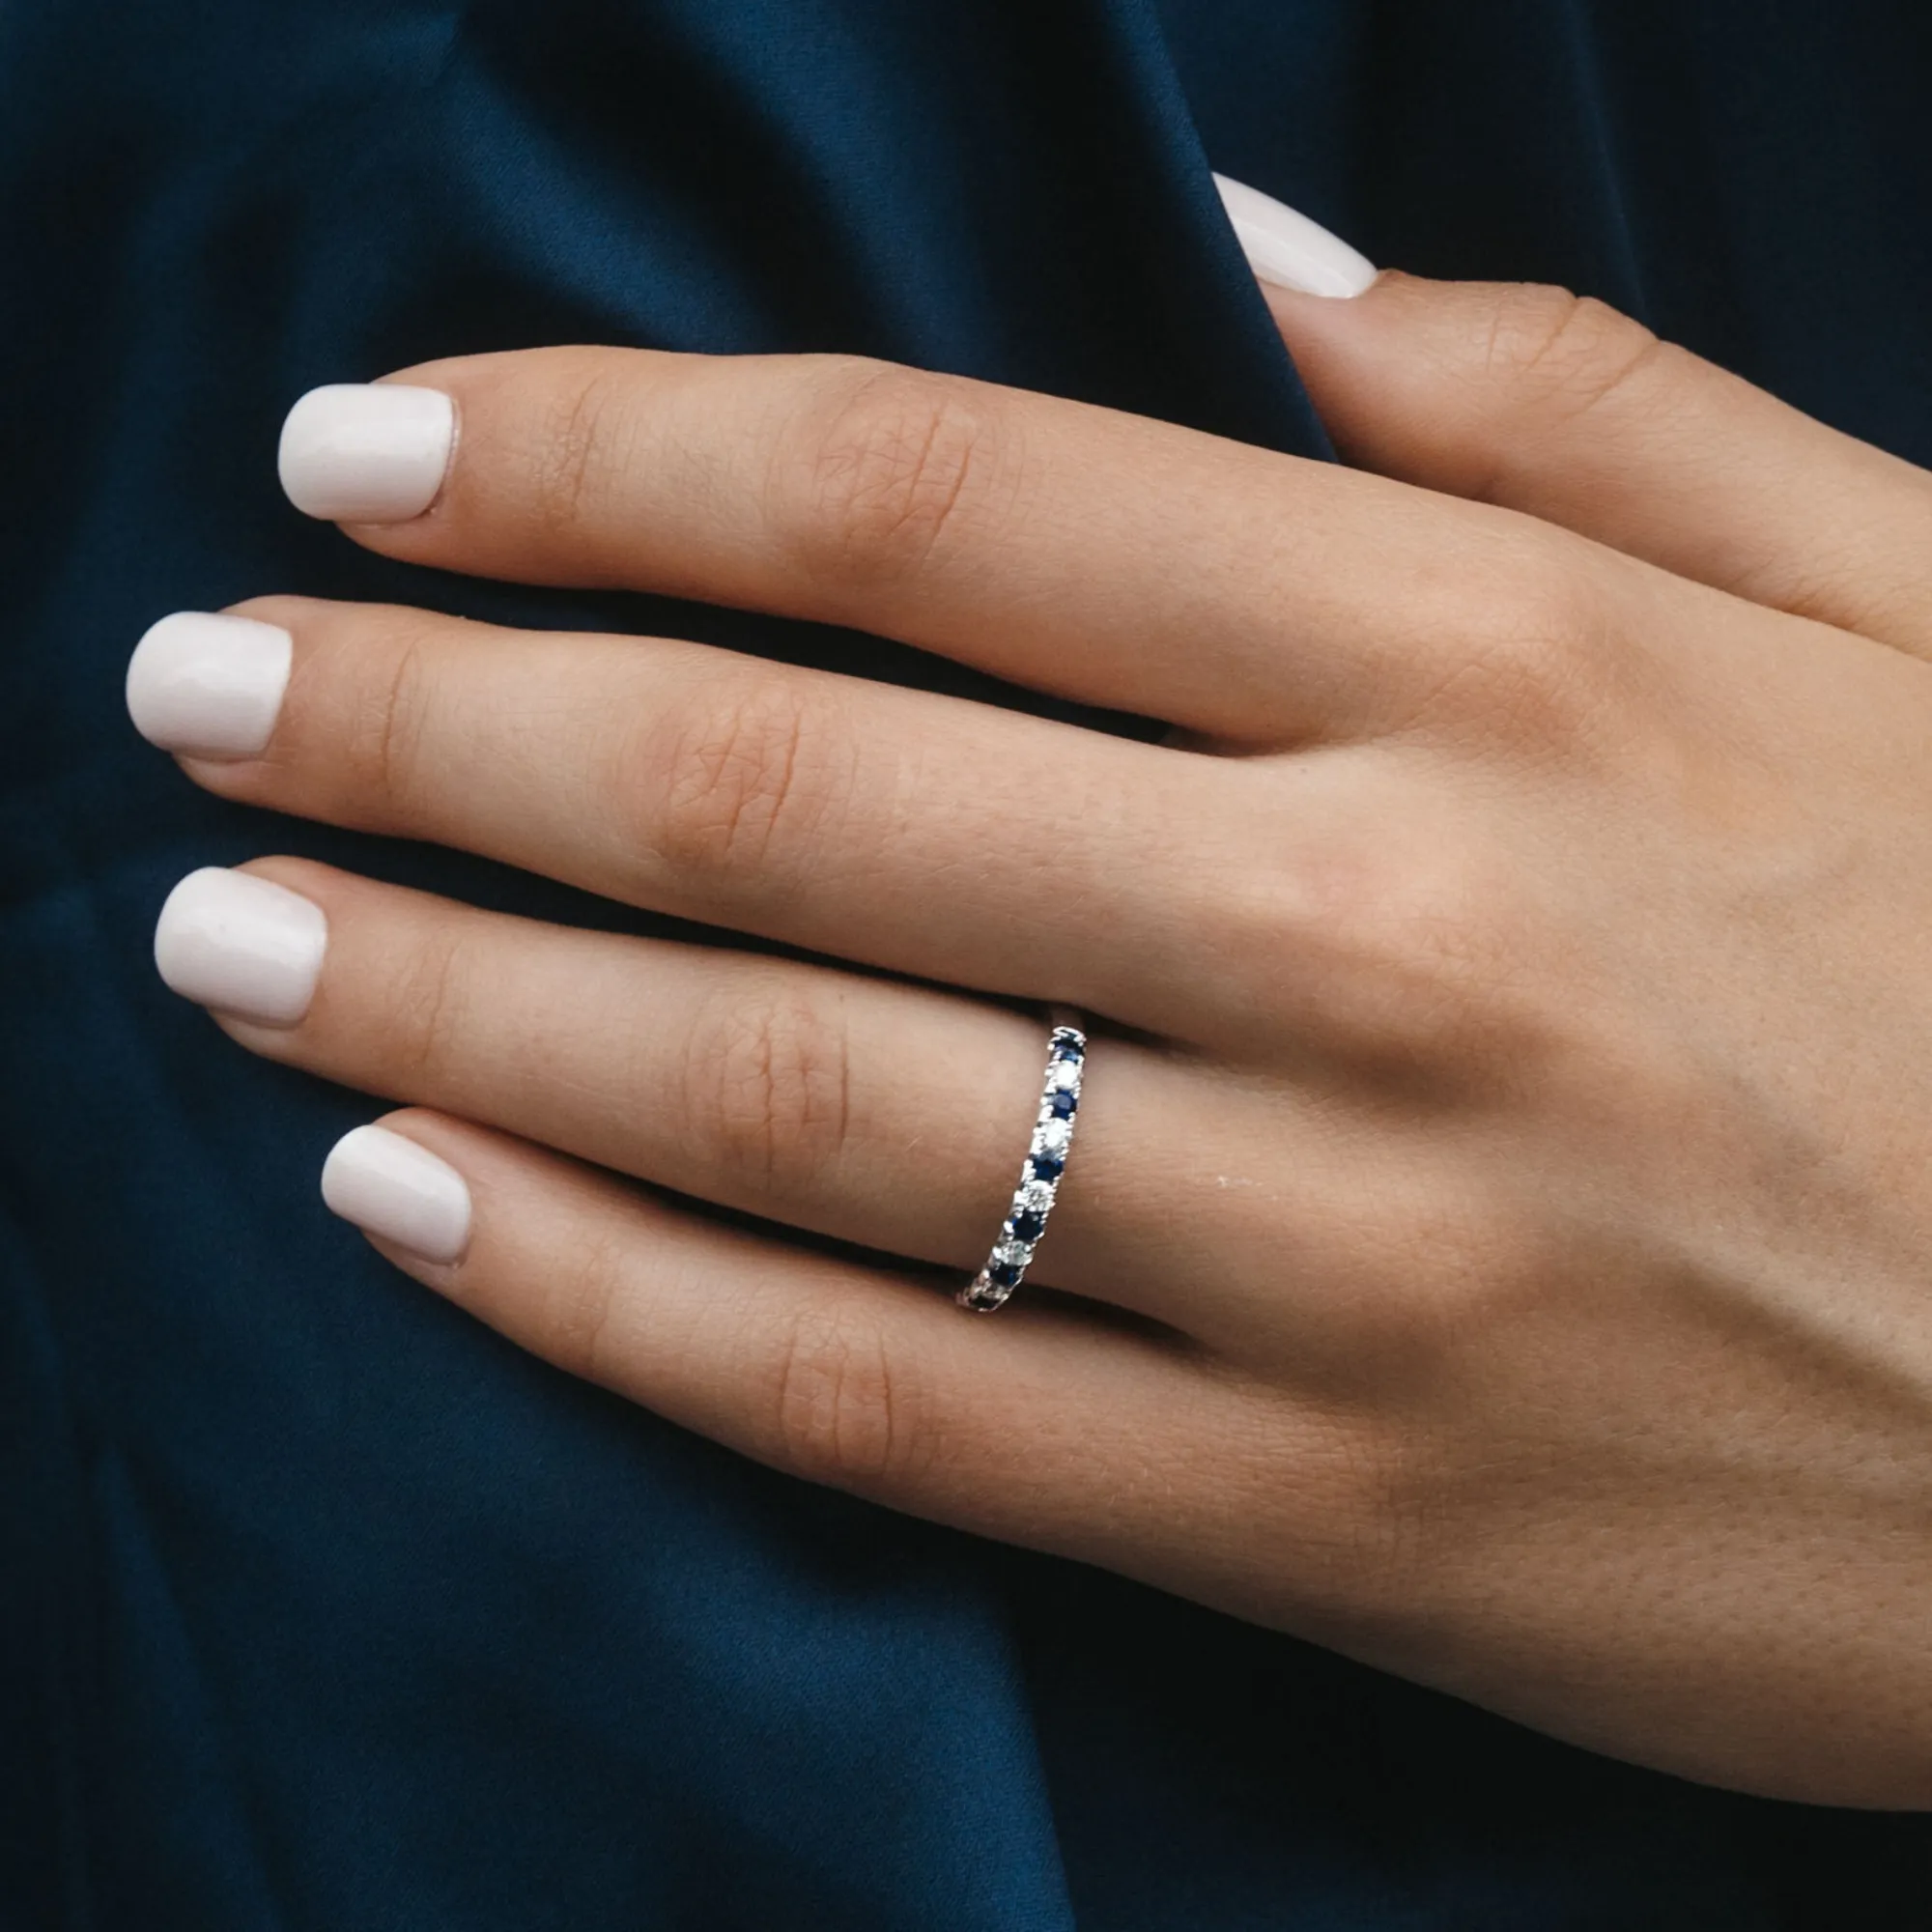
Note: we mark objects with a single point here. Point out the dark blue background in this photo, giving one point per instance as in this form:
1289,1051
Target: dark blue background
320,1606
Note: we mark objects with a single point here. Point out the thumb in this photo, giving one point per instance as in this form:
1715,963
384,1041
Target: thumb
1545,402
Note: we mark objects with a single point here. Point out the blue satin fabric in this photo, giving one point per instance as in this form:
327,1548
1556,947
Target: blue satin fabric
320,1606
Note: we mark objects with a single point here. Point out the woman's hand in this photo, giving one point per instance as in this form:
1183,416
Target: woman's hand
1498,1239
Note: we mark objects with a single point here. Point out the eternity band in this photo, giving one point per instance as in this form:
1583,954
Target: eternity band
1040,1175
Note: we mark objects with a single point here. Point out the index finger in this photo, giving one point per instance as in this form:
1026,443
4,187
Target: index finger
1097,555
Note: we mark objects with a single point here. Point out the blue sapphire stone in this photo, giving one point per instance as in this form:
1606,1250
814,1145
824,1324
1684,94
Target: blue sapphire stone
1002,1274
1028,1225
1063,1106
1068,1049
1047,1166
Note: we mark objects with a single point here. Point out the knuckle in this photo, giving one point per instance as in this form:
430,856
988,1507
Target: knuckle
581,447
1382,1510
1531,657
1521,685
746,778
422,1016
1567,352
880,478
1549,600
1416,936
581,1314
766,1092
845,1409
1409,956
1452,1276
386,730
1354,1522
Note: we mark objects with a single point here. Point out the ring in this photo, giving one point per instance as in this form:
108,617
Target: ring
1040,1175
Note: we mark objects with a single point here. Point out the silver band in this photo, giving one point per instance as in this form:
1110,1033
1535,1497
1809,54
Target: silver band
1040,1175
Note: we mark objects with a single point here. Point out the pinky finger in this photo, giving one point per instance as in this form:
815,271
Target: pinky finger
1034,1427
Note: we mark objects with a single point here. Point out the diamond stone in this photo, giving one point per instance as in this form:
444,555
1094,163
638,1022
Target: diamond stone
1034,1197
1039,1174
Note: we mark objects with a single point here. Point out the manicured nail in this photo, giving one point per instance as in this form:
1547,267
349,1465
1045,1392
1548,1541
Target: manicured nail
208,686
397,1190
241,944
1288,248
366,452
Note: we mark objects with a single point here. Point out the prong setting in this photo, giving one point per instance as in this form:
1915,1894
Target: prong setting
1040,1174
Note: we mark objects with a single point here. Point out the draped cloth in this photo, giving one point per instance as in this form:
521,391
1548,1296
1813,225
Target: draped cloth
320,1606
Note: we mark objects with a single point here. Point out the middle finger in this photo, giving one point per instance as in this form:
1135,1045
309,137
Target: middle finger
922,834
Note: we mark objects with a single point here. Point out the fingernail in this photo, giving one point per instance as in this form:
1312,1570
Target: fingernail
1288,248
208,686
241,944
397,1190
366,452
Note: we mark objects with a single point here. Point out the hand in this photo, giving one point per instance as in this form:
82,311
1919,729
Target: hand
1499,1237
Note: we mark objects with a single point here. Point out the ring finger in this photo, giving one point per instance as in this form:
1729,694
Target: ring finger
890,1116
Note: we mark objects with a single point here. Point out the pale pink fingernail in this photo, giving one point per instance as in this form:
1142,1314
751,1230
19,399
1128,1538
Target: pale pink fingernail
366,452
1290,250
208,686
394,1188
240,945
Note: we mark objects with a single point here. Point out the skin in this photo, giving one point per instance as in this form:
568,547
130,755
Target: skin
1498,1243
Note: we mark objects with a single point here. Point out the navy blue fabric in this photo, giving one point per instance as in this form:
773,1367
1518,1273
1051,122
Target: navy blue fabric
320,1606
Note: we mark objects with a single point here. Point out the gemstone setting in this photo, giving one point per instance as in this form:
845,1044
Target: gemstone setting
1040,1175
